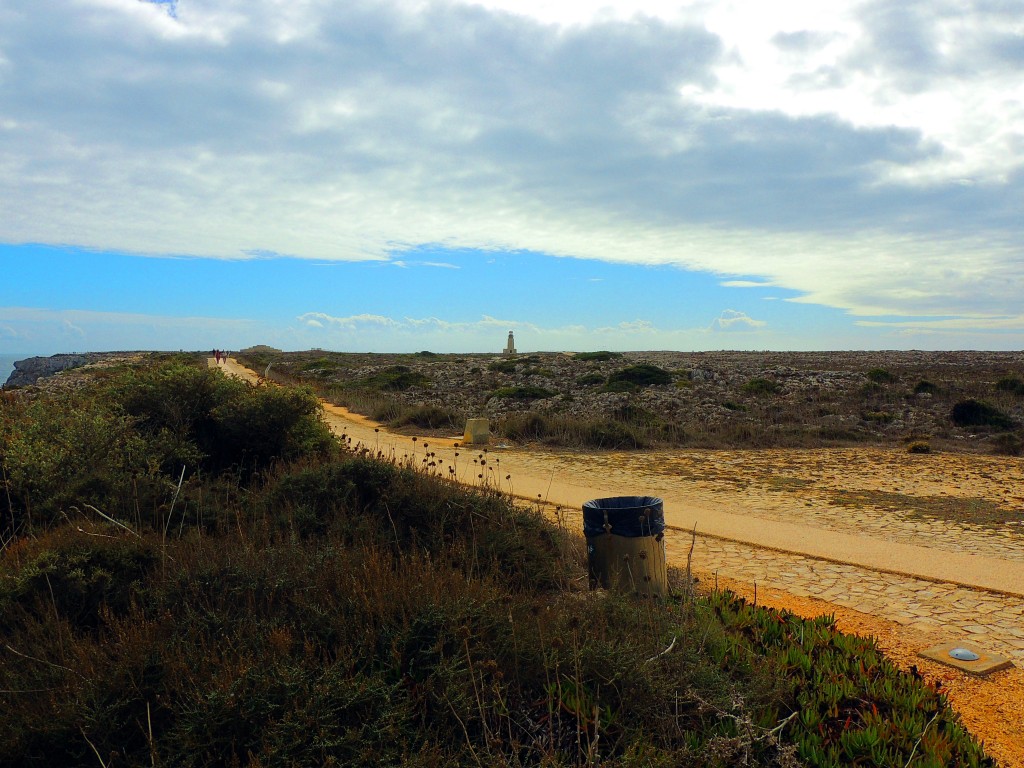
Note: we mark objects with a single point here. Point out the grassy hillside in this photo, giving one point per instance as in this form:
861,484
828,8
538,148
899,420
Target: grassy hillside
195,574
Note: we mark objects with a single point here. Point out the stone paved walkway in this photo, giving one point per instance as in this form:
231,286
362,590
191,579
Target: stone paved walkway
991,620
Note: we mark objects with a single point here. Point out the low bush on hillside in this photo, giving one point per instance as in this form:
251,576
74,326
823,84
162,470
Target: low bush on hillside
124,444
976,413
924,387
608,434
642,375
1011,384
396,378
599,357
1008,444
880,376
760,386
426,417
502,366
522,392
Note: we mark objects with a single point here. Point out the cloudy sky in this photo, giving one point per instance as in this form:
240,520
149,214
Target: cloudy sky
430,174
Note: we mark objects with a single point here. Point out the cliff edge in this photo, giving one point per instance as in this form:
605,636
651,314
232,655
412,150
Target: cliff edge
30,370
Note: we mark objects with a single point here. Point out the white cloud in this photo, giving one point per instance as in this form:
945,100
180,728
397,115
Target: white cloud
867,155
350,323
1014,324
732,320
744,284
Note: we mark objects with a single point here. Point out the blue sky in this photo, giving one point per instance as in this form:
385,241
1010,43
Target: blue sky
398,175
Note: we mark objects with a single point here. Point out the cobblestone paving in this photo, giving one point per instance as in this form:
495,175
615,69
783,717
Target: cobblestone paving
993,621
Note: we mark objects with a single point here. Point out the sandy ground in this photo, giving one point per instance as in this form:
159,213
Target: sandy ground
890,510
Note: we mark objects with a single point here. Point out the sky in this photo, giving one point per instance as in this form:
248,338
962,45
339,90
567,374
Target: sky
409,175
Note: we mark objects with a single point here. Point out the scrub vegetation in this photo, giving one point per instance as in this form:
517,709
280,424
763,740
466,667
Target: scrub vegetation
195,573
963,401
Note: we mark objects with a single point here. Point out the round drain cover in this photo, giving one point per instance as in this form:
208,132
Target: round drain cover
962,654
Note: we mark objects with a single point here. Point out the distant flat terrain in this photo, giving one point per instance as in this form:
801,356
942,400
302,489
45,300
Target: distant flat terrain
704,399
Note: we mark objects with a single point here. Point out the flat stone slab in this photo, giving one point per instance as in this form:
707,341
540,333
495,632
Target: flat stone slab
983,665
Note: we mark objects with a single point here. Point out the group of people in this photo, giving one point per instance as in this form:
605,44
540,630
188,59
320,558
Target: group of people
220,356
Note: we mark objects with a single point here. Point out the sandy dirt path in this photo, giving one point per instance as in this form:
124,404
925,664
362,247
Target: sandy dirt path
762,516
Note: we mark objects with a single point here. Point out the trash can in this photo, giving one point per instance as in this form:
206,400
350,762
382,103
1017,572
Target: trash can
626,544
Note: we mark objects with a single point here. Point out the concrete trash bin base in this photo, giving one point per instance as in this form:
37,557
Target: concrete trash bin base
626,544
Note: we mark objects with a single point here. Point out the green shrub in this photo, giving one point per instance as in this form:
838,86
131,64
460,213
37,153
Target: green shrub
590,380
610,434
635,414
919,446
173,405
880,376
879,417
321,364
840,434
397,378
427,417
121,445
760,386
76,575
641,375
619,386
266,424
600,357
1011,384
925,388
525,426
975,413
386,411
502,366
522,393
1008,444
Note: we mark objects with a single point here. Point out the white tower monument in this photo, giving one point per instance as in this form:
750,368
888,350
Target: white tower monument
510,348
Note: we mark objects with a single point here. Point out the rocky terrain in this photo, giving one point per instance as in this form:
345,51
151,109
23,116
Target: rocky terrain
951,400
30,371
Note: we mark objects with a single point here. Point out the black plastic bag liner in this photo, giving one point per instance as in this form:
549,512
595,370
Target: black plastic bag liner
631,516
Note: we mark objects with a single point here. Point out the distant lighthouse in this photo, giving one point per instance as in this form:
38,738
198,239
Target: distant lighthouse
510,348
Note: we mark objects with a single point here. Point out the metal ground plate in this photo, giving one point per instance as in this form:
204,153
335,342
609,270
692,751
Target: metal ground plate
985,664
